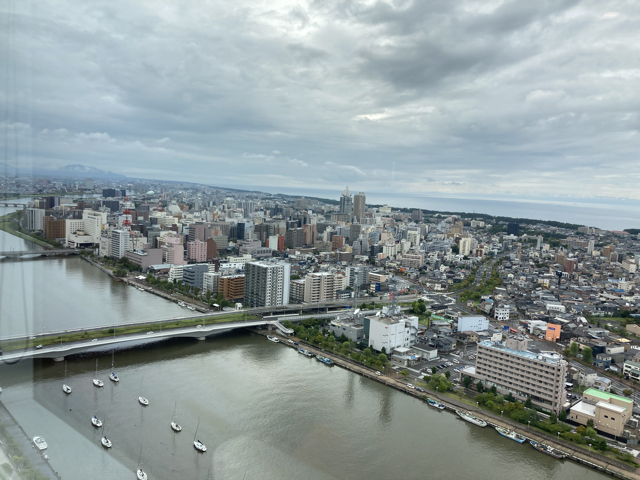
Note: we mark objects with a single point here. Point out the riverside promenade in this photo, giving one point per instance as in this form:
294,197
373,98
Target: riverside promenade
591,459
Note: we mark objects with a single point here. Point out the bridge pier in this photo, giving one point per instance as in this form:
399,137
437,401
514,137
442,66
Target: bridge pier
58,359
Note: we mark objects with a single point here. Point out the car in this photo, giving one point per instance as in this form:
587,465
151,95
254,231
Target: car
411,386
198,326
419,389
94,340
38,347
290,341
149,333
456,361
33,338
295,343
378,373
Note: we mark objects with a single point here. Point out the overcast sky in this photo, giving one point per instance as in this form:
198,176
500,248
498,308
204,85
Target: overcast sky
524,98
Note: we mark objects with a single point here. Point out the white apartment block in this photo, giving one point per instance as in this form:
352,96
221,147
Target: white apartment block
501,313
210,281
34,219
119,243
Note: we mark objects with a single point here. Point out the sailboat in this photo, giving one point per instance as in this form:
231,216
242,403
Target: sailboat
65,388
113,377
105,441
96,381
201,447
175,425
140,474
96,422
142,400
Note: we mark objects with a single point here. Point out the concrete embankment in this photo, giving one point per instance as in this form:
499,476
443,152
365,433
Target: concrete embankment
23,442
590,459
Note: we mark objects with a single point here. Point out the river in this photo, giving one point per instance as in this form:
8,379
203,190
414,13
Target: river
263,411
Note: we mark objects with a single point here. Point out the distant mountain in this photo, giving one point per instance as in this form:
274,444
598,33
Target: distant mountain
68,171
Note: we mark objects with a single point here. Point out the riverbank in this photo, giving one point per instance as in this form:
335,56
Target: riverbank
18,447
9,225
590,459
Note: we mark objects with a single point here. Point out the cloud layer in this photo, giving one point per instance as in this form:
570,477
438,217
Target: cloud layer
522,98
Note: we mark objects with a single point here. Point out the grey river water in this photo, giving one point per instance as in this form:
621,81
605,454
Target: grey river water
264,411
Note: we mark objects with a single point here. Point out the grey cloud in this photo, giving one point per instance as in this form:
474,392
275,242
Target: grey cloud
395,95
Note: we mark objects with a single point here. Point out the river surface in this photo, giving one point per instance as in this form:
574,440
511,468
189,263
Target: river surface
263,411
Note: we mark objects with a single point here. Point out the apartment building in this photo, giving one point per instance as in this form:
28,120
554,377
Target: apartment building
511,367
267,283
391,331
119,243
231,287
320,286
210,282
54,228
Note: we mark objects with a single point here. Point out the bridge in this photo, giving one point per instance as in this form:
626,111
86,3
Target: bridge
201,331
40,253
12,204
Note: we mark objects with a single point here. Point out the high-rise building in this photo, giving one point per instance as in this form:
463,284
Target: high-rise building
465,246
88,183
231,287
266,283
212,249
119,243
210,282
346,202
193,275
173,250
54,228
359,202
512,368
197,231
294,237
320,286
416,216
357,276
276,242
34,219
197,251
337,242
513,228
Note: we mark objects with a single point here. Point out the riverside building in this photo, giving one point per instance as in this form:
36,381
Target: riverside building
511,367
266,283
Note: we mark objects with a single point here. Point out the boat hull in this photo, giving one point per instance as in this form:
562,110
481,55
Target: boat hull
471,419
175,427
98,383
547,450
143,401
106,443
511,435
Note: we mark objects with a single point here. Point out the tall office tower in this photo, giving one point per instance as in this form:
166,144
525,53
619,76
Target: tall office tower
119,243
266,283
346,202
197,231
416,216
212,249
359,200
512,228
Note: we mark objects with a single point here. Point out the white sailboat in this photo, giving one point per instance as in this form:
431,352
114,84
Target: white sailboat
141,399
105,441
96,422
65,388
140,474
113,377
175,426
201,447
97,382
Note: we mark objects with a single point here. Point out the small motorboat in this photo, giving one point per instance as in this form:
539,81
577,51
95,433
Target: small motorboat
143,401
40,443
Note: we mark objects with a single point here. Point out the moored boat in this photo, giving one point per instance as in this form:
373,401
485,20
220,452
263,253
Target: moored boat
325,360
96,422
143,401
512,434
471,418
436,404
541,447
40,443
273,339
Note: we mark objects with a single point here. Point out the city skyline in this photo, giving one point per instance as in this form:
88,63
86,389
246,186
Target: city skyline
456,99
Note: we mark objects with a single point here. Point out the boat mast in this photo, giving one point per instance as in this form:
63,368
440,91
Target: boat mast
196,434
140,457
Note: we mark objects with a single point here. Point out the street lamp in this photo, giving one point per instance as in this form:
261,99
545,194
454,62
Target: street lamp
589,447
478,403
529,427
501,413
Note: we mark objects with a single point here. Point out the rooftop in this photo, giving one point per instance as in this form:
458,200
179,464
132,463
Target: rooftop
552,359
594,392
584,408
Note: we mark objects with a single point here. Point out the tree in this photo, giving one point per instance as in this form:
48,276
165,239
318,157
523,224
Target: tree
587,354
404,373
563,416
367,352
601,444
208,295
528,403
627,392
434,370
552,418
382,358
447,374
573,349
590,423
466,381
493,390
383,350
479,387
591,432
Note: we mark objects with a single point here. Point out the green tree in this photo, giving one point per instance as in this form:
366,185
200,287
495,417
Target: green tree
383,350
208,295
573,349
601,444
582,430
466,381
591,432
553,418
627,392
367,352
563,415
479,387
447,374
382,358
590,423
493,390
587,354
434,370
405,374
528,403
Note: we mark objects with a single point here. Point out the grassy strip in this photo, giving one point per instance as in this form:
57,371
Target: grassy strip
108,332
7,227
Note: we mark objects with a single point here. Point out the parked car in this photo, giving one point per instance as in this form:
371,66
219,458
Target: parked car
38,347
411,386
378,373
419,389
